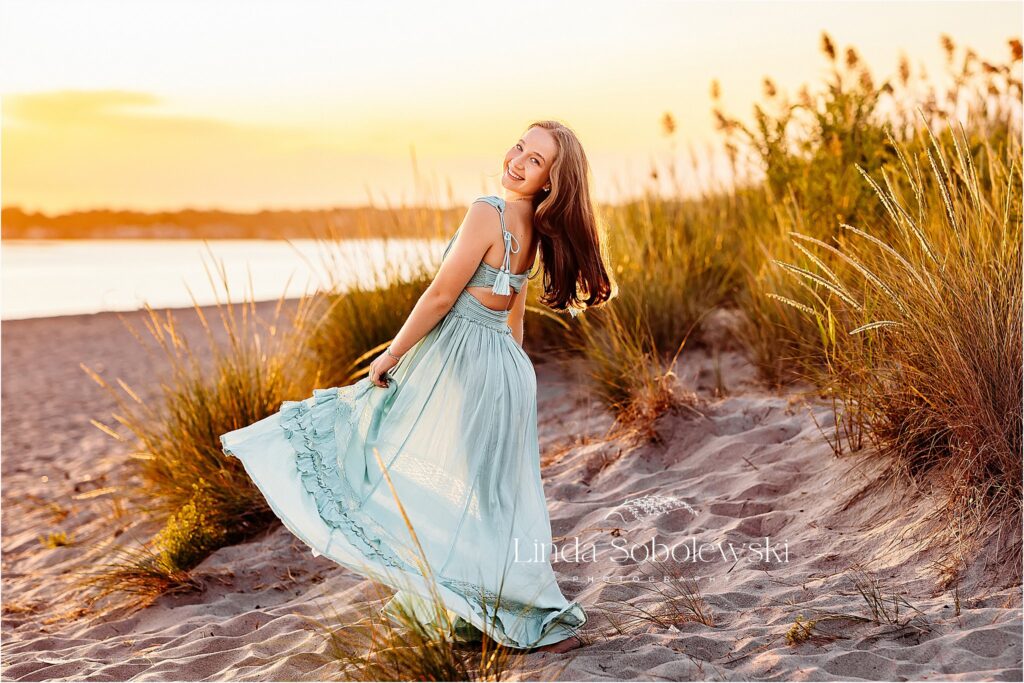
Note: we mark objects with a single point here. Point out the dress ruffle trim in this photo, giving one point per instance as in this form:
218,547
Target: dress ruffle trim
311,432
311,429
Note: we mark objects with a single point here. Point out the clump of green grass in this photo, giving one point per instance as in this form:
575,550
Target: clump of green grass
887,605
671,263
191,533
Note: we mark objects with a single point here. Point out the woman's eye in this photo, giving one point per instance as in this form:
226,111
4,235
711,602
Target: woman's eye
533,159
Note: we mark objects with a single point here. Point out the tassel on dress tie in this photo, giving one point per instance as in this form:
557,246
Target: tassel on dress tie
503,279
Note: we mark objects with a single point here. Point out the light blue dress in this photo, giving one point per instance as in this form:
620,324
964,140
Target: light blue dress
457,431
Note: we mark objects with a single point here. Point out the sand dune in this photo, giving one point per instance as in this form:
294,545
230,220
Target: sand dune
738,468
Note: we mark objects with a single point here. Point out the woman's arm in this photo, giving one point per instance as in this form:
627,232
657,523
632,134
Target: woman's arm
472,242
517,314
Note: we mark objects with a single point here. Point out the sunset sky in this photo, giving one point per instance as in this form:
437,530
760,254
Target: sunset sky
254,105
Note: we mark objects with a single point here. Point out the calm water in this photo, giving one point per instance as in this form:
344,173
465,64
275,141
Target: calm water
58,277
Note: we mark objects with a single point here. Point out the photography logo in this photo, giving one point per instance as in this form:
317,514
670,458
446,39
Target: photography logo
634,509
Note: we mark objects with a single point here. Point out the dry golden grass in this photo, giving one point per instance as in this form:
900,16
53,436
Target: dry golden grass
671,602
54,539
808,148
923,329
627,371
882,264
204,498
671,265
801,630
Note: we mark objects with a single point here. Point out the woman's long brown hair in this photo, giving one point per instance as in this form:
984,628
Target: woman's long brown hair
571,247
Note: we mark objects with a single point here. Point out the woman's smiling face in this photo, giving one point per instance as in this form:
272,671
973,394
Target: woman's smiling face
527,166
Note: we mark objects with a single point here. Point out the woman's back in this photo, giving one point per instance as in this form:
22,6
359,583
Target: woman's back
516,232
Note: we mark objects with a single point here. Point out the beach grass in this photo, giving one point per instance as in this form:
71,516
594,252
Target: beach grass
627,372
202,498
922,326
806,149
668,598
882,265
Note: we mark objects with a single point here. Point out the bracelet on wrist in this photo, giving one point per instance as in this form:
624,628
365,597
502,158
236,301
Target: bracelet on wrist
388,350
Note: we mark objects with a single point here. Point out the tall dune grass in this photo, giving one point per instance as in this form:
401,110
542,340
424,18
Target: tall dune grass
882,264
250,365
807,150
924,327
627,371
360,322
672,265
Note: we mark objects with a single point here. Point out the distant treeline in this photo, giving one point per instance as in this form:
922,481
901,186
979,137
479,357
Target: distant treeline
197,224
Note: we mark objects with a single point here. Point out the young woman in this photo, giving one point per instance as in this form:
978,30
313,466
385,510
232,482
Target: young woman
450,409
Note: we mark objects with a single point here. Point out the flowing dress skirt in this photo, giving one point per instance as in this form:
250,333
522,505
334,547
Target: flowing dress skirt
456,430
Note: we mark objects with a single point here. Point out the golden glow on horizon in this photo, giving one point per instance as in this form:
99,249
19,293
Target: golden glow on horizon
244,107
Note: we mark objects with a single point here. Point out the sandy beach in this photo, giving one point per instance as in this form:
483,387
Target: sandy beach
741,467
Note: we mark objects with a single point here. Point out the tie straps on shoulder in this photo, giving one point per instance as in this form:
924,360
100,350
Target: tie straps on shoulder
506,263
502,280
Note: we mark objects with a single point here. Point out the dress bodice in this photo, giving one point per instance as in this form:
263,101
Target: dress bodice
500,280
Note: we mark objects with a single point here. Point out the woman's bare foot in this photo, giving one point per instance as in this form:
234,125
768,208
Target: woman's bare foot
561,646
